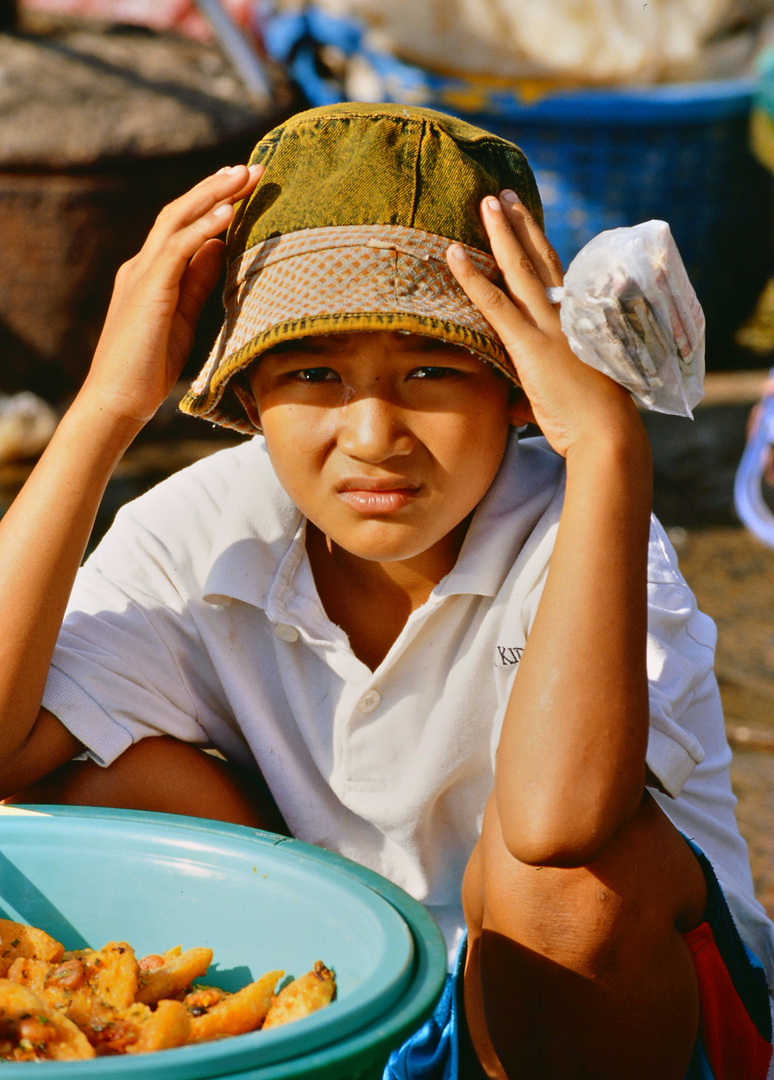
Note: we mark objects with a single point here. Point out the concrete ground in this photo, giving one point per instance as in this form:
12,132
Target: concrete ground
732,575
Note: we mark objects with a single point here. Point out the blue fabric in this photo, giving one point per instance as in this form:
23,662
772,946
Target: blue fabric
700,1068
433,1052
292,39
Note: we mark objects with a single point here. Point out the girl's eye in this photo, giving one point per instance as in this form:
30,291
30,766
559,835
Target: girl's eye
315,375
432,371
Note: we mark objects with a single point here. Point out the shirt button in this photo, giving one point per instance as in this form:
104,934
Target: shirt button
369,701
285,632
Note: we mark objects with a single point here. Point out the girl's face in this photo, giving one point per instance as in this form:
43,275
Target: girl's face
385,441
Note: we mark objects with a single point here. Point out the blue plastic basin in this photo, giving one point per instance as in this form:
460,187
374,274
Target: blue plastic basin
259,901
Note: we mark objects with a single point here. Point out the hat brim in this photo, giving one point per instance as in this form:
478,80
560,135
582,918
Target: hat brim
336,279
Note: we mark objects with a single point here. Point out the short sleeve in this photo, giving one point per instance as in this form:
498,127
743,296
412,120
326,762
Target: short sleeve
683,690
125,664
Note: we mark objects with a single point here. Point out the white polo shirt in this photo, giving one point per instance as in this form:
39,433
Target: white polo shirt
198,616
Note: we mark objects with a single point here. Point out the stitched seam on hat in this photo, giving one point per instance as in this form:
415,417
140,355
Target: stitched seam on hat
417,158
279,294
483,137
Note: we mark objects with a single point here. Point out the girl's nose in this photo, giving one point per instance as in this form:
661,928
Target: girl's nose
373,429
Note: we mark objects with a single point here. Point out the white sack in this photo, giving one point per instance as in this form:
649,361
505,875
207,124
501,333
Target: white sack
578,40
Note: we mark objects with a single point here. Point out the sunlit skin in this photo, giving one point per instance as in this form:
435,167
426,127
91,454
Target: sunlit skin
386,442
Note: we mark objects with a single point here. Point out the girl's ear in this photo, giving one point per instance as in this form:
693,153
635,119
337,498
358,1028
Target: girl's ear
519,408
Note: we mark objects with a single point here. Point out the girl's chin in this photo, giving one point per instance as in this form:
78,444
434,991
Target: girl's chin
393,544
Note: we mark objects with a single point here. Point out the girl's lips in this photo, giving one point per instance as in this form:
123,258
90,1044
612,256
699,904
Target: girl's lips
374,497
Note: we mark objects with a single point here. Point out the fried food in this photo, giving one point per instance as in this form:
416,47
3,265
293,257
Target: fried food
31,1030
173,975
201,999
139,1030
88,982
304,995
19,940
60,1006
168,1026
236,1013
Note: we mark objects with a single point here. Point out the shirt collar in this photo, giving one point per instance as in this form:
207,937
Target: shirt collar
257,526
526,483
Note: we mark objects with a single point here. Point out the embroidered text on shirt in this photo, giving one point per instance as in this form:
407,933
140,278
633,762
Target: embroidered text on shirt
509,656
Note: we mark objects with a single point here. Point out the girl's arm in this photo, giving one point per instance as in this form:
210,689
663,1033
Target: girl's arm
146,339
570,766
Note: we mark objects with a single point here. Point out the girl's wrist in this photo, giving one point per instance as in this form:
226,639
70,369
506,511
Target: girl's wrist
619,441
613,476
95,422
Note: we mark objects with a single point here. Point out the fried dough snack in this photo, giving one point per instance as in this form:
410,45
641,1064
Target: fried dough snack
234,1014
305,995
31,1030
17,939
58,1006
88,983
138,1030
176,972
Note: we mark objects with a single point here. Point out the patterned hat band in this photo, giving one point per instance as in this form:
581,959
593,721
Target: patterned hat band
337,278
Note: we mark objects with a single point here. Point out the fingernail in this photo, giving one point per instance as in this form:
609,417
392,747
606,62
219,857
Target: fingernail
492,203
223,210
253,169
457,251
226,168
510,197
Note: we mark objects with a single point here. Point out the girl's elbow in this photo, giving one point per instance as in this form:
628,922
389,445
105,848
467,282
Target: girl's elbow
563,848
561,837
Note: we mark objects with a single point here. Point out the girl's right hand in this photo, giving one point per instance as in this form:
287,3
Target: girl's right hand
573,404
158,297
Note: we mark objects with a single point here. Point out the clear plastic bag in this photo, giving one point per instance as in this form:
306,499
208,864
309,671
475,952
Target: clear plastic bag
628,309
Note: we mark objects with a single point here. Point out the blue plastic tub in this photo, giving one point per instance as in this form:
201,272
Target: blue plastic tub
260,902
602,157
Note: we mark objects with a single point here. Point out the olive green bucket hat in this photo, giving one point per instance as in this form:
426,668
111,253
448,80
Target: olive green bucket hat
347,230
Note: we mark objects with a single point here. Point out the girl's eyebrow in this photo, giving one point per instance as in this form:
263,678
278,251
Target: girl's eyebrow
420,343
320,344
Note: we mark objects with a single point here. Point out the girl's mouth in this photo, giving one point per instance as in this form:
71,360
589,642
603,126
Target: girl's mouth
372,496
378,502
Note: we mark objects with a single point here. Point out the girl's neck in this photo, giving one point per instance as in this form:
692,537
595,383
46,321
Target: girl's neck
371,601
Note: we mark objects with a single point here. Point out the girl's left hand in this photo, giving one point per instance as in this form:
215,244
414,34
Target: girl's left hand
567,399
158,297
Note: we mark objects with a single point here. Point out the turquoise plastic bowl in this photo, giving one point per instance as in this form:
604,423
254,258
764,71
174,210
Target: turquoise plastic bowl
260,902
